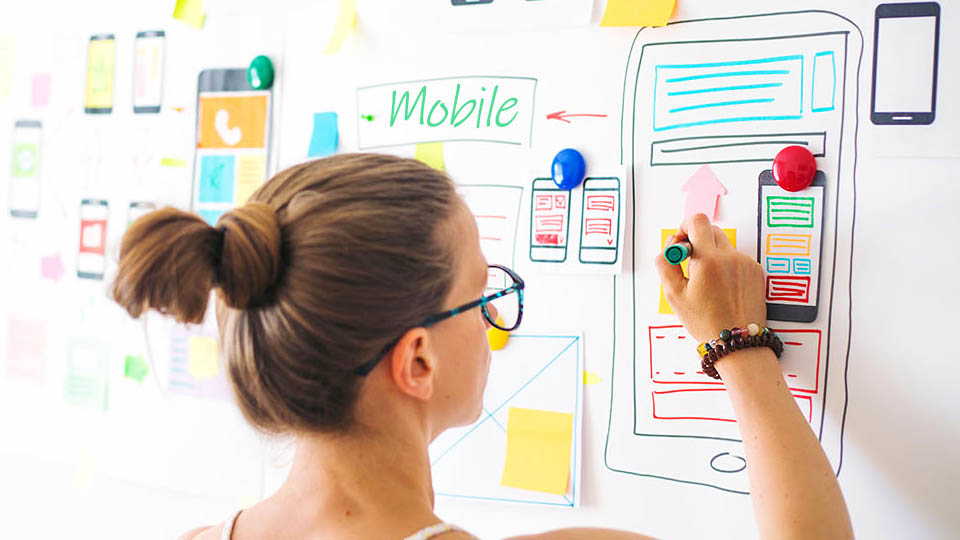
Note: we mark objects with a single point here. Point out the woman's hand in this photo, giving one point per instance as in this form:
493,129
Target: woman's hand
725,287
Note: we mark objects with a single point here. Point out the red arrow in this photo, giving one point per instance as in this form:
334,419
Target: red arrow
703,193
562,115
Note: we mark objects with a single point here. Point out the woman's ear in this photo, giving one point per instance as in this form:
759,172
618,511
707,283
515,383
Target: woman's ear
412,364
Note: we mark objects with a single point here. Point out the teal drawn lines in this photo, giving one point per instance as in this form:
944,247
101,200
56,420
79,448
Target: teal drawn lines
725,88
722,104
813,79
728,74
790,212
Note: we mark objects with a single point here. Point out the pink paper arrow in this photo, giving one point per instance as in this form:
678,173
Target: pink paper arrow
51,267
703,193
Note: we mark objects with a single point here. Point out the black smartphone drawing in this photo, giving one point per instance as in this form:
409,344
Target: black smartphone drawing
148,65
906,43
470,2
790,247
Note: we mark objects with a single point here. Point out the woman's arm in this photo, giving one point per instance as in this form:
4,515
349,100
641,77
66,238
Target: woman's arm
793,489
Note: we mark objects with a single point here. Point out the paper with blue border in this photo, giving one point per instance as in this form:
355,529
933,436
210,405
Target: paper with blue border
537,371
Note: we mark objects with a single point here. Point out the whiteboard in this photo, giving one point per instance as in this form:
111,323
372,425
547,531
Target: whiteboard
172,462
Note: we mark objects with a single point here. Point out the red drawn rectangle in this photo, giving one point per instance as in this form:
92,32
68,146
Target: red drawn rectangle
601,203
552,223
543,202
552,239
602,226
788,289
560,201
709,404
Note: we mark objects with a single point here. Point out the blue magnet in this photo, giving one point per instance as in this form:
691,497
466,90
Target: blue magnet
568,169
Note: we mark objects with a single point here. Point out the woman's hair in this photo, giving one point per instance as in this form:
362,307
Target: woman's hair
325,265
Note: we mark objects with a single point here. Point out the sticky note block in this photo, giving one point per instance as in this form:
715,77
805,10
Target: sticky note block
203,357
190,12
134,368
634,13
325,137
431,154
590,378
51,267
216,179
173,162
346,21
666,233
250,175
538,450
41,89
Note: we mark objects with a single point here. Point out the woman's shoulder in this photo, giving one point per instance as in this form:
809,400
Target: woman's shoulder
583,532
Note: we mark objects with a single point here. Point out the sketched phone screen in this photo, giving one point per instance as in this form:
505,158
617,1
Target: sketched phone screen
231,149
905,52
148,71
790,231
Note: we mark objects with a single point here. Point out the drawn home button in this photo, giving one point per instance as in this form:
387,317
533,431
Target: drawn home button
726,462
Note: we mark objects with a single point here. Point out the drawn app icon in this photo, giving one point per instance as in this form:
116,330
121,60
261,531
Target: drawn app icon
232,122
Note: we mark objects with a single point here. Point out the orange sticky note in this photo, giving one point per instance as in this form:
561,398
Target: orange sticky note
666,233
538,450
638,13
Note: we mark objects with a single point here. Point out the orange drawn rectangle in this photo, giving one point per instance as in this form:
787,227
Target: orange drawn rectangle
242,124
789,244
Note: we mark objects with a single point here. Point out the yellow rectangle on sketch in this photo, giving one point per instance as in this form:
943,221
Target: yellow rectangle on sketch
204,357
666,233
789,244
250,175
538,450
100,62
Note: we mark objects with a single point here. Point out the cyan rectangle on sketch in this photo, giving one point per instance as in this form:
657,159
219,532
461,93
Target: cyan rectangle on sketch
824,85
778,265
687,95
802,267
761,147
216,179
469,108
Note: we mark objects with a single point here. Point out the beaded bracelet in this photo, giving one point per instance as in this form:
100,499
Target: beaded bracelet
752,335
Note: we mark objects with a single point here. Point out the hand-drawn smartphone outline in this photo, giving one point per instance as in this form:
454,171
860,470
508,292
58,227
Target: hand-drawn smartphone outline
611,184
470,2
85,270
786,312
108,109
34,178
906,10
148,34
227,80
138,209
547,254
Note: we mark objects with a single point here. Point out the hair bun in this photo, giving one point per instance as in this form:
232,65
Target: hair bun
250,256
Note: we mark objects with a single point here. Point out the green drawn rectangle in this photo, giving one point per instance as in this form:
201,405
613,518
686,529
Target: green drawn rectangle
794,212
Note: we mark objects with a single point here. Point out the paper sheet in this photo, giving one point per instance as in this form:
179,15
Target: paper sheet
190,12
634,13
346,21
538,450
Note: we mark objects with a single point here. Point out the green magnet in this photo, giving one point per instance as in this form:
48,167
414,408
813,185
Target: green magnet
260,73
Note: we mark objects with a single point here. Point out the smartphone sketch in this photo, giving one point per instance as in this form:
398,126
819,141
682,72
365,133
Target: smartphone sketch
600,226
789,246
906,40
549,221
101,52
25,171
469,2
138,209
148,71
91,256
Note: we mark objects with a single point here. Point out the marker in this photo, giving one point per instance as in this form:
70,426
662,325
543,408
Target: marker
677,253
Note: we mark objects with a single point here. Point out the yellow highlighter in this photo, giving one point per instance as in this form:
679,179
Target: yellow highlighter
497,337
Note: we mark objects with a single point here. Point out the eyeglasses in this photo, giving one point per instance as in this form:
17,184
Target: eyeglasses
503,309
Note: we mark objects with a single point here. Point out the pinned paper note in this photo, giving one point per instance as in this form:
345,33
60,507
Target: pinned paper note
642,13
41,89
51,267
591,378
26,342
667,233
190,12
703,191
346,21
203,357
431,154
538,450
325,137
135,368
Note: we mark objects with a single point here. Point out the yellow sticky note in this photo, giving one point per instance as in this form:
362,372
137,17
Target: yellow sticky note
590,378
250,175
638,13
666,233
346,21
173,162
204,353
538,450
431,154
190,12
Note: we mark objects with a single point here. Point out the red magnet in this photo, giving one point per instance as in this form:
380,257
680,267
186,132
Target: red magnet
794,168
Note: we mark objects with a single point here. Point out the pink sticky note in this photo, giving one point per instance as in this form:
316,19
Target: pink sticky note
51,267
703,193
41,89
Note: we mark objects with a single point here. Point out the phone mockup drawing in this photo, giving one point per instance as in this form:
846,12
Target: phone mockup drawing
906,42
101,54
233,141
549,221
789,245
25,171
600,226
91,257
138,209
148,71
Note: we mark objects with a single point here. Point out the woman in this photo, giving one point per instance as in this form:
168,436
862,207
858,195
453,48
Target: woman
340,293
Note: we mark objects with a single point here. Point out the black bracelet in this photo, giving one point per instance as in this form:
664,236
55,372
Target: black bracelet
752,335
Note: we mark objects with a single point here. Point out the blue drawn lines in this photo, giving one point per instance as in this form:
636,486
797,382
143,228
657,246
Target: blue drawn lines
823,87
685,95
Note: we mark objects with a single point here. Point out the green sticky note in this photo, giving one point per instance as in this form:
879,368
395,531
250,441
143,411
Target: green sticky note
135,368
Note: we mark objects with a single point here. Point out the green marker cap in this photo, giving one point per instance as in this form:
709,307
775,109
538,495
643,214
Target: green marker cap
260,73
676,253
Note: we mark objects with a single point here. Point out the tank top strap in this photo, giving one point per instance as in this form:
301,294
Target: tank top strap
227,532
435,530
